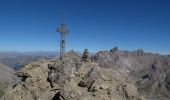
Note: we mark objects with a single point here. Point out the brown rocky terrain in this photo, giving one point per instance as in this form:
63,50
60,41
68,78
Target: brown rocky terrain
149,71
110,75
71,79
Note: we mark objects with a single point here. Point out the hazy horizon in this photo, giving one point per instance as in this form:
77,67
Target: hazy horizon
162,53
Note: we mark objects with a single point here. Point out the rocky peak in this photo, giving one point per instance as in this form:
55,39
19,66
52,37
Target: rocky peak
71,79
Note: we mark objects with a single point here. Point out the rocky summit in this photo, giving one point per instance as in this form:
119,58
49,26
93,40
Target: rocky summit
106,75
71,79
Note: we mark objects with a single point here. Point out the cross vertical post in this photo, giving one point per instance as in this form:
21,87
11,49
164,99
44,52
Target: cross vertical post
63,31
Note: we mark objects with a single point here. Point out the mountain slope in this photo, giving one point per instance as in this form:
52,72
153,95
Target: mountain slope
71,79
114,74
6,77
150,71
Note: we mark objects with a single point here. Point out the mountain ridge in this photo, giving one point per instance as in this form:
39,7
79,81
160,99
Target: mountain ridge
135,75
16,60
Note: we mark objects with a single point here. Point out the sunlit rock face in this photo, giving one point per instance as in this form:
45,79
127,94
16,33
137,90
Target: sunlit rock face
110,75
71,79
150,71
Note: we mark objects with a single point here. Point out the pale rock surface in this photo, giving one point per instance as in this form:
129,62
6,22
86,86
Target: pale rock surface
71,79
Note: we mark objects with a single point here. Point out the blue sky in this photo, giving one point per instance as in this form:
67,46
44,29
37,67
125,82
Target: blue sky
29,25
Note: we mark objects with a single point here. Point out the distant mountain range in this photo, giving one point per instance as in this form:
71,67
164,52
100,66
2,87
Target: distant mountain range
16,60
124,74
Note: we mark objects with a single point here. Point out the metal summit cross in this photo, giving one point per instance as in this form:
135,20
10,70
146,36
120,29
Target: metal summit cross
63,31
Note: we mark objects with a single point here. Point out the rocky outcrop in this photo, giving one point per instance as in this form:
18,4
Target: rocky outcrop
33,83
71,79
150,71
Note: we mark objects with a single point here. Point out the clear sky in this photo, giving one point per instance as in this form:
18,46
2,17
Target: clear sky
30,25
